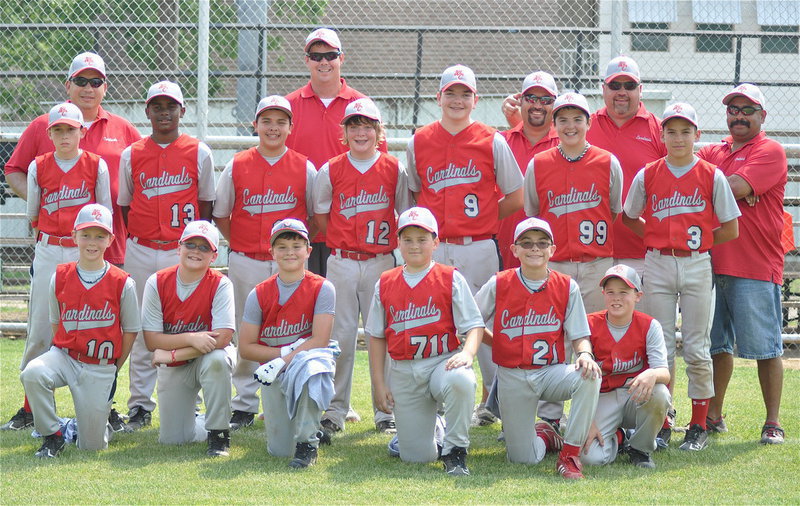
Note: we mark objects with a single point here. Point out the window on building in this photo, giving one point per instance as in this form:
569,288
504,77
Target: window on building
712,43
774,44
650,41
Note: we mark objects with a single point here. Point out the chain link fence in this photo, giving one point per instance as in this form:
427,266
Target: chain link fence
394,52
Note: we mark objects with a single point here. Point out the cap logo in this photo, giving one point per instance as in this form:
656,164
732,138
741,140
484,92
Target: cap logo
677,108
273,101
358,106
97,214
622,65
458,74
569,97
413,215
88,60
537,78
62,110
163,87
203,228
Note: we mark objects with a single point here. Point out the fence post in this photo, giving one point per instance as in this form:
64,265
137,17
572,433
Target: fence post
203,30
616,28
417,81
737,68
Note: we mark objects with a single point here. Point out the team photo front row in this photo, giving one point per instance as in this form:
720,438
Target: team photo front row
422,317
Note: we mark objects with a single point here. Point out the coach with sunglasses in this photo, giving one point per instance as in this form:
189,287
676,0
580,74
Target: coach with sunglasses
633,134
748,271
106,135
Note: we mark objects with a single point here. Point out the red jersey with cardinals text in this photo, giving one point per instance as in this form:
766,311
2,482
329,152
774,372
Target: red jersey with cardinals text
620,361
165,182
89,318
575,198
458,178
529,327
679,212
419,320
281,325
264,194
362,205
63,194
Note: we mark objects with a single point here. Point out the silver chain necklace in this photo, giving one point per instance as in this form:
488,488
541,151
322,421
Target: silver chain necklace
560,150
105,269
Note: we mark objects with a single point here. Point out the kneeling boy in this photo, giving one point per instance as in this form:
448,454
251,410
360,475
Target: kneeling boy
188,322
629,348
286,326
95,318
417,311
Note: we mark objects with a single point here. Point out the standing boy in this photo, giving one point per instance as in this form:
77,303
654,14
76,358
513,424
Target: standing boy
356,196
417,313
534,311
259,187
59,184
95,318
674,204
456,166
287,326
188,322
629,348
166,181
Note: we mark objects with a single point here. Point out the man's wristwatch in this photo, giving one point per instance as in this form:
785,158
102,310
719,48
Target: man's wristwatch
588,353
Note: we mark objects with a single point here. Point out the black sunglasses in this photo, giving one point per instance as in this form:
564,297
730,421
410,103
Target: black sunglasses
628,85
747,110
95,82
202,247
545,100
329,56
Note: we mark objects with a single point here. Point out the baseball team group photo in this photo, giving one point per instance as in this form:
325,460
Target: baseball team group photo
536,287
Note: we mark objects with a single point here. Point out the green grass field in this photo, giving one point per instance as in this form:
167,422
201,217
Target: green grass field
357,469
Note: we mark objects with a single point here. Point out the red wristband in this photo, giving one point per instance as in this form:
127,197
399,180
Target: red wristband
173,356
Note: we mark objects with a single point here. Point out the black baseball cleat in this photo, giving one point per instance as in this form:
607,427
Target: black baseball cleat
116,422
242,419
696,439
328,429
455,462
304,455
19,421
386,426
139,417
640,458
219,442
51,447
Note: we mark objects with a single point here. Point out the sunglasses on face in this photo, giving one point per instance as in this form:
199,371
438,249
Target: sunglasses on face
747,110
192,245
329,56
545,100
95,82
530,244
628,85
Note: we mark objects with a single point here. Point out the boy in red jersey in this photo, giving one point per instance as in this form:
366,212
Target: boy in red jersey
460,168
535,311
59,184
674,204
95,318
257,188
188,323
629,348
356,196
286,326
417,313
166,180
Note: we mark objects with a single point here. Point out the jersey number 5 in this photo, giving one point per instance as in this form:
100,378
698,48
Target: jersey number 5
188,215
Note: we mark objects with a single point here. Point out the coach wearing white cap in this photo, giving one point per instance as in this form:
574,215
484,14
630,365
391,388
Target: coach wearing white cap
748,271
106,135
318,109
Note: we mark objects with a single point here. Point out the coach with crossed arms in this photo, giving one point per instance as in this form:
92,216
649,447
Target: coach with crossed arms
748,271
106,135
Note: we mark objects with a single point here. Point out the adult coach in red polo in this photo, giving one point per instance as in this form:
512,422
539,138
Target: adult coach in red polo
534,133
633,134
748,271
107,135
318,109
